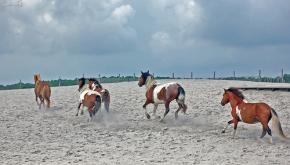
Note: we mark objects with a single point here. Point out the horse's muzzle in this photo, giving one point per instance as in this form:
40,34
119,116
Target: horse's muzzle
223,104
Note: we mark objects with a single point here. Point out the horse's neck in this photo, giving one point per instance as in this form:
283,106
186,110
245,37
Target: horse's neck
37,82
235,101
150,82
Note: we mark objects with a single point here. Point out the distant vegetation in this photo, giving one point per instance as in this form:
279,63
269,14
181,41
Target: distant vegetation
262,79
114,79
61,82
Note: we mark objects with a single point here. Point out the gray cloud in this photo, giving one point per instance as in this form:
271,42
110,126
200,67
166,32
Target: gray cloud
112,36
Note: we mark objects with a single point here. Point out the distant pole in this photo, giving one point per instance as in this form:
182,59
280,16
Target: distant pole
83,75
172,75
260,73
191,75
282,76
214,75
59,80
100,79
20,86
234,75
153,74
134,76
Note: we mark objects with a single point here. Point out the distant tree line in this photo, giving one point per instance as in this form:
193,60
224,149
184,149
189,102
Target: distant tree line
67,82
114,79
286,79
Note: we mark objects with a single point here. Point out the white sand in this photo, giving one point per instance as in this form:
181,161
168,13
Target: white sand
56,136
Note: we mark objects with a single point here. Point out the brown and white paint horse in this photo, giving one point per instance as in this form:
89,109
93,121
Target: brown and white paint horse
89,99
42,91
96,86
250,113
162,94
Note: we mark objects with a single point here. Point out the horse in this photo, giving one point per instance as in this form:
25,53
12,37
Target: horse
162,94
88,98
96,86
251,113
42,91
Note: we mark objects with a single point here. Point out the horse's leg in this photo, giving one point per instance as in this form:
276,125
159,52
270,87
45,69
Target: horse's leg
48,102
46,99
154,111
82,110
166,110
106,98
36,99
41,100
144,107
263,133
229,122
270,134
79,106
266,129
235,127
90,113
98,104
179,108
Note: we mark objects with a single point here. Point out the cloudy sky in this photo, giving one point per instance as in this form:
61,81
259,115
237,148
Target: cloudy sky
70,37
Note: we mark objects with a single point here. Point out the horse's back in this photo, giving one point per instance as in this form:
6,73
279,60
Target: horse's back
253,112
163,92
43,89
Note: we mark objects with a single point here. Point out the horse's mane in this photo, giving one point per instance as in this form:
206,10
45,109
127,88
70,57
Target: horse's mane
147,74
96,82
236,92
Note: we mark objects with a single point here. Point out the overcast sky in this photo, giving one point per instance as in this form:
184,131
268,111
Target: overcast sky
70,37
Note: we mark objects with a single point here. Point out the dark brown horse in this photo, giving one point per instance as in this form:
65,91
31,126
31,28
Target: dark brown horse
88,98
162,94
96,86
42,91
251,113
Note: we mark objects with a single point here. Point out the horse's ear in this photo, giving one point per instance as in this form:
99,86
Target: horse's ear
142,72
147,71
225,90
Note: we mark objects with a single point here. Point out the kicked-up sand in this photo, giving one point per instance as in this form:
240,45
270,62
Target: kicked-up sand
124,136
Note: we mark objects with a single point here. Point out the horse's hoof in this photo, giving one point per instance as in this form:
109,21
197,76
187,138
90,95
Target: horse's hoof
223,131
77,114
148,116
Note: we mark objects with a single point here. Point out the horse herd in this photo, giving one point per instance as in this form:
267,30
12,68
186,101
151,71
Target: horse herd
93,94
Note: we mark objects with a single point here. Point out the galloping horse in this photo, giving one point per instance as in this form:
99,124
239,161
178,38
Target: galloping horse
162,94
250,113
42,91
88,98
96,86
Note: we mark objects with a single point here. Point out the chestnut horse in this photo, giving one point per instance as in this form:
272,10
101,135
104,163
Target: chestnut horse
96,86
251,113
162,94
89,99
42,91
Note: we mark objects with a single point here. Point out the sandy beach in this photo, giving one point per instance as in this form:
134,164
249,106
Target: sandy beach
125,136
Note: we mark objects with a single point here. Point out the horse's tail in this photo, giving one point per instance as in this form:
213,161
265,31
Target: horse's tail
106,99
181,98
98,104
276,125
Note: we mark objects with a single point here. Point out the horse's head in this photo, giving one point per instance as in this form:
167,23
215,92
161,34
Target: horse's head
143,78
93,83
82,82
232,94
226,97
37,78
